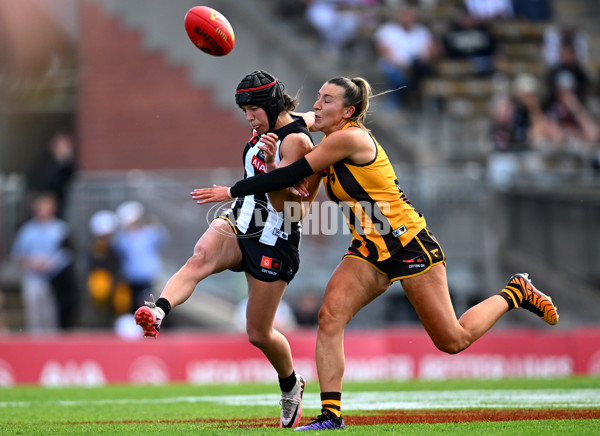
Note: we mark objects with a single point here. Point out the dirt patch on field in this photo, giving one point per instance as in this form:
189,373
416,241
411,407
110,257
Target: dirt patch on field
445,416
399,417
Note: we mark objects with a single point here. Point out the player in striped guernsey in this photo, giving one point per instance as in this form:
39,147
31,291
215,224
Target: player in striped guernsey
259,235
391,242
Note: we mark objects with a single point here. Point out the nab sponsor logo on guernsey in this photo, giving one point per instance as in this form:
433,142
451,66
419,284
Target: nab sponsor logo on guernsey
270,266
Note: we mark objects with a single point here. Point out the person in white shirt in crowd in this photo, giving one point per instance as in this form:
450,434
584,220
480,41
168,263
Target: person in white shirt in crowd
138,244
406,49
490,10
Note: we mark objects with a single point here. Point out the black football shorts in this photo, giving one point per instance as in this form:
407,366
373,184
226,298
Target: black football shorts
418,256
265,262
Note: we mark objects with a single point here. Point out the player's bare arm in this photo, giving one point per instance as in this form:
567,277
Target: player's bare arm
211,195
342,144
309,119
302,188
337,146
298,146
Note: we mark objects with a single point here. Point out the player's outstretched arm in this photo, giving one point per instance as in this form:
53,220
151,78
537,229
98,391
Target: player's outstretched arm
278,179
337,146
211,195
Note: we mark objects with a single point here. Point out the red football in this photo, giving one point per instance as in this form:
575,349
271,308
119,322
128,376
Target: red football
209,30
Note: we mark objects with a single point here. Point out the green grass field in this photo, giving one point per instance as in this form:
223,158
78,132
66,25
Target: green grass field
254,409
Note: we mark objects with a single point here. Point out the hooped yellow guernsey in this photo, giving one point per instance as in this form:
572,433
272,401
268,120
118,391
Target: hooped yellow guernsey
381,218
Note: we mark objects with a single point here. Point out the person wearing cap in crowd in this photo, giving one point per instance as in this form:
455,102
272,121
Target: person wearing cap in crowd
259,235
138,243
103,270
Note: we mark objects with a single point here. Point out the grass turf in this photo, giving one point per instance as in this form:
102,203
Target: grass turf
182,409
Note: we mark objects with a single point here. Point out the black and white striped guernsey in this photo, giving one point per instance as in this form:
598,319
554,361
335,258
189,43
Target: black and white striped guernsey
254,215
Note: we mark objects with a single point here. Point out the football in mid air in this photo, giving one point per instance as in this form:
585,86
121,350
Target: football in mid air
209,30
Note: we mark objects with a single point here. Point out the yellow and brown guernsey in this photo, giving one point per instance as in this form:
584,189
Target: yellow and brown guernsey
381,218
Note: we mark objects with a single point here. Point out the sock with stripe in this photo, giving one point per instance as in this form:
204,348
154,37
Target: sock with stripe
513,295
331,403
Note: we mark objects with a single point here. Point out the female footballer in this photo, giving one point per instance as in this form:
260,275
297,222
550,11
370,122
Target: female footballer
257,235
391,242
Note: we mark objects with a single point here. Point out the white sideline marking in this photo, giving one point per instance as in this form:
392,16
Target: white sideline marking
408,400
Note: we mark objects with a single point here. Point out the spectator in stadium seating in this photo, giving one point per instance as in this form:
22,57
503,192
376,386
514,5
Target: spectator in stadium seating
580,131
104,271
55,170
568,68
41,250
139,243
490,10
406,50
519,122
534,129
337,23
257,235
471,39
390,242
503,132
556,37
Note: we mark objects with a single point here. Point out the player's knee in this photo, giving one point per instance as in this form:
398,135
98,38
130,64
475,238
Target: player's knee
450,344
449,348
199,260
331,319
256,337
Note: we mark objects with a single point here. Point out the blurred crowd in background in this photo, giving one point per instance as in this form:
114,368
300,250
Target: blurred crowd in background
121,266
545,102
